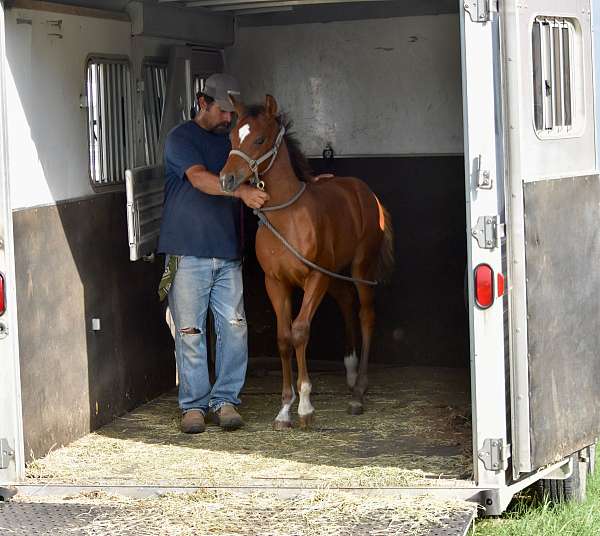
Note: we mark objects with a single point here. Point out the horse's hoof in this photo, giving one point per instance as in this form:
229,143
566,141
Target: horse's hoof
282,425
355,408
306,421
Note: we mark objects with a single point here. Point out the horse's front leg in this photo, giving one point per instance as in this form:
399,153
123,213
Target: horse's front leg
280,295
314,289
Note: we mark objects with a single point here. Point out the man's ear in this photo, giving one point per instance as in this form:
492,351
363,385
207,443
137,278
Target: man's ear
202,104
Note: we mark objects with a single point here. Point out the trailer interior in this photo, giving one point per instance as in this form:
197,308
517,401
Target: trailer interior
376,85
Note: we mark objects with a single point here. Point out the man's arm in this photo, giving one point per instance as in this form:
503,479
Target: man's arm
207,182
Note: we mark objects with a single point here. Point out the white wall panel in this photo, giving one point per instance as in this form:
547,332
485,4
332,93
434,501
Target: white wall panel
48,150
386,86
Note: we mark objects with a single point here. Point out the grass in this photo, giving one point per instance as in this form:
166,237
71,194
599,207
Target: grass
526,516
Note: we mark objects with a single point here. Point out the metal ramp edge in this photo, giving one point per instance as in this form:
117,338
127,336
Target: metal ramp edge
76,512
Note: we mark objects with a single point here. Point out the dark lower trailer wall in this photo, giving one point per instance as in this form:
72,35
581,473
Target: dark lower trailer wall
72,264
421,315
563,315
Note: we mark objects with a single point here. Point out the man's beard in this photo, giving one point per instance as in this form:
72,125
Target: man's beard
222,128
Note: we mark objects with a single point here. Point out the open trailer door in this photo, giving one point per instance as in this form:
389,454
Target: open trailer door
11,429
167,102
484,205
554,236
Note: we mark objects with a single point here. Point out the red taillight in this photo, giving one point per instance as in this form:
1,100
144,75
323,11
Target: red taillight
2,295
484,286
500,285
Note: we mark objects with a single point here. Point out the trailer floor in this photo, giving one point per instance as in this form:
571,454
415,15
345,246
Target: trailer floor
416,431
225,513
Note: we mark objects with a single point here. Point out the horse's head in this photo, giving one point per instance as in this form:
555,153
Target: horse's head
254,143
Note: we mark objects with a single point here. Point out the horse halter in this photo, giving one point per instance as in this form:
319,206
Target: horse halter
255,164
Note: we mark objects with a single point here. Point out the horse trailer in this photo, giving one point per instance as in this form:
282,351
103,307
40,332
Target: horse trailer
475,124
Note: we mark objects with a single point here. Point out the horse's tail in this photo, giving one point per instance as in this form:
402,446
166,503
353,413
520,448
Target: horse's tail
385,259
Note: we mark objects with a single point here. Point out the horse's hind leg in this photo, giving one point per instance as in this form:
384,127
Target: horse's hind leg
344,295
281,298
367,323
314,290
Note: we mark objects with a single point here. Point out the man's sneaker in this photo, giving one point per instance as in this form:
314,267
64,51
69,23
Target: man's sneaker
228,418
192,422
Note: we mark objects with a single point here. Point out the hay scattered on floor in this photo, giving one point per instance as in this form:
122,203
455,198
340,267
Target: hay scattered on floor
225,513
415,431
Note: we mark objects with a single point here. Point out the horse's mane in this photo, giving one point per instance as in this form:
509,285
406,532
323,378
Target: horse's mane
299,162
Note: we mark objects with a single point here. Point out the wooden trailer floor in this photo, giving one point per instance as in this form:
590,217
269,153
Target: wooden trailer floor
416,431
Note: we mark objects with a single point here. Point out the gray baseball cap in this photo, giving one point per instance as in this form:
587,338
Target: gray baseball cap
219,86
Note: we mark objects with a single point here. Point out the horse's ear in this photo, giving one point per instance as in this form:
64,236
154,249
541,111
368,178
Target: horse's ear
271,106
239,106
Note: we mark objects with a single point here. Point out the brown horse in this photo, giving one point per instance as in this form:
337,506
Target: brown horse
337,224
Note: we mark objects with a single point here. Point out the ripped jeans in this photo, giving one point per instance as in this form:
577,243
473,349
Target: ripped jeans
216,283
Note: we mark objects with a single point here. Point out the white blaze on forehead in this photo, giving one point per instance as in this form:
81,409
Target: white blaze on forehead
244,131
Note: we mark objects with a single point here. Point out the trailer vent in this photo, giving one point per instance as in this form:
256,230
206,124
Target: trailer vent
554,81
155,88
109,120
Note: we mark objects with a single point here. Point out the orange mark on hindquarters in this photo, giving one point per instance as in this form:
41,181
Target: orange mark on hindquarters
381,214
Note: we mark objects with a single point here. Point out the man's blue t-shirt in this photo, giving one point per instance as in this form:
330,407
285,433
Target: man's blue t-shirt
195,223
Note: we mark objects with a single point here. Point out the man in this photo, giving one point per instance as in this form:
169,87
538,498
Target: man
200,236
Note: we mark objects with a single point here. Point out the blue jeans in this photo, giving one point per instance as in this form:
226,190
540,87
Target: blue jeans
201,283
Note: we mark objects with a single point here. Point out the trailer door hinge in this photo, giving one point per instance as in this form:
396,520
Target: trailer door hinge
494,454
479,10
486,232
6,453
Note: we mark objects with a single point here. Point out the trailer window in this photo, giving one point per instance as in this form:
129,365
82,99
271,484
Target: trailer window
553,41
109,120
155,88
198,87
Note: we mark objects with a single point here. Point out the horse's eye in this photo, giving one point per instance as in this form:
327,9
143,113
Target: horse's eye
259,141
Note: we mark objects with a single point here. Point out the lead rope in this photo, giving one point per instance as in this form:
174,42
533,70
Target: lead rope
264,221
286,204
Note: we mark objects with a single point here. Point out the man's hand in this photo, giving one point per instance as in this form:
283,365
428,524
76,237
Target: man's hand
251,196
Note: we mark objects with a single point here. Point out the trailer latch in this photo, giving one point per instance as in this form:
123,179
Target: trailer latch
486,232
484,178
6,453
494,454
